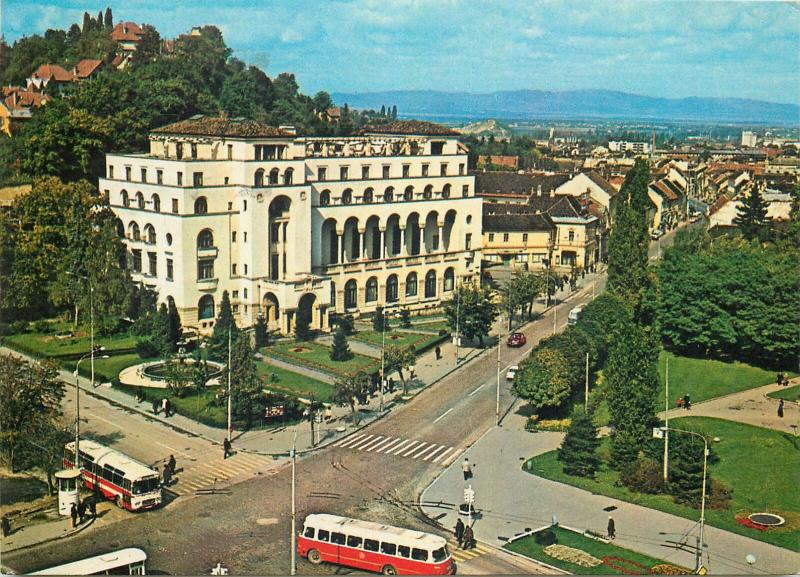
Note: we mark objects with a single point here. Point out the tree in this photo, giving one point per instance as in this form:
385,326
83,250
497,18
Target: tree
751,216
247,390
174,322
161,336
148,47
405,318
396,358
263,335
247,93
32,394
632,377
473,310
542,379
340,350
346,323
347,390
302,331
578,451
43,447
383,110
394,112
601,321
379,321
218,344
87,23
686,469
322,101
109,18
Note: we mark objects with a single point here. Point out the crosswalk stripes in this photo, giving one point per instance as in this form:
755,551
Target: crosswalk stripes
462,555
216,472
416,449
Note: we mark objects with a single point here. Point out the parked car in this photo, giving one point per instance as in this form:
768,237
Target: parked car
516,340
511,372
694,218
574,315
657,234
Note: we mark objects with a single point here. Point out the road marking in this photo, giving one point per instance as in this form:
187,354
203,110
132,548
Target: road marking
345,442
450,459
443,415
372,444
361,442
116,426
414,449
400,447
432,448
415,455
432,454
442,454
174,450
387,441
475,391
393,445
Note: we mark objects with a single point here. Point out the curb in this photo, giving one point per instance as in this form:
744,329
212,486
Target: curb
74,531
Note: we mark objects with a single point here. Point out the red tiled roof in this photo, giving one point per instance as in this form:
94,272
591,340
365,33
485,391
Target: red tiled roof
663,188
53,71
718,204
86,68
220,126
410,127
334,112
23,99
602,183
126,31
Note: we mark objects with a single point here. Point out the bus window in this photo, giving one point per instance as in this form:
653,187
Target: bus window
354,542
322,535
309,532
439,555
337,538
370,545
419,554
145,486
388,548
404,551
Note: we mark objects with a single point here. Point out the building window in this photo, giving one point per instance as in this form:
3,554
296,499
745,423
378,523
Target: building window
446,191
245,292
139,201
468,241
258,179
180,178
369,195
245,272
333,294
111,171
159,176
205,268
235,295
411,285
425,170
144,175
347,196
365,172
505,237
205,239
386,171
125,199
322,174
465,190
350,294
273,176
156,200
236,308
406,170
233,271
449,279
244,206
372,290
244,236
461,169
343,172
522,257
437,148
150,234
179,150
325,198
391,289
152,260
230,205
175,206
233,236
201,206
137,261
388,194
194,150
197,178
491,237
169,269
288,176
205,307
524,237
230,152
409,193
443,169
427,194
127,173
571,236
430,284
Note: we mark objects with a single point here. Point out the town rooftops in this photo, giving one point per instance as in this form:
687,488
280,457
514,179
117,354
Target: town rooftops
500,217
54,72
410,128
508,183
602,183
222,127
126,31
86,68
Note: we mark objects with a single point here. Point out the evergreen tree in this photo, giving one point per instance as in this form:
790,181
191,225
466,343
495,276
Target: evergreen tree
405,318
751,216
261,332
383,110
87,23
578,451
174,322
161,336
99,22
247,390
346,323
394,112
686,469
302,331
379,323
218,346
340,350
627,255
109,19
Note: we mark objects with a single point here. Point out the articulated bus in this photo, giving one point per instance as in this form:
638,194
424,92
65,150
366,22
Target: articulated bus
374,547
129,561
132,485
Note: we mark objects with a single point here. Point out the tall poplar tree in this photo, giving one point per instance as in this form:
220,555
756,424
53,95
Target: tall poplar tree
751,216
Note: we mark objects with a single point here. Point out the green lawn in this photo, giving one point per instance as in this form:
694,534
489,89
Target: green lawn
396,338
293,383
760,465
787,394
106,370
706,379
317,356
634,563
48,345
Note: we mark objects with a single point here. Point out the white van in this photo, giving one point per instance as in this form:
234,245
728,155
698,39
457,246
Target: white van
572,318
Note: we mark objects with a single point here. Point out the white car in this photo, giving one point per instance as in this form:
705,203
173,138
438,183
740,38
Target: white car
511,372
657,234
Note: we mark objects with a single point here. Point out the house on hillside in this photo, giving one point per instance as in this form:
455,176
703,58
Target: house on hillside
49,77
127,35
86,69
16,106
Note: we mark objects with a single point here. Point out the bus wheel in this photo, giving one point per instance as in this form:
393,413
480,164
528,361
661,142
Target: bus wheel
389,570
118,501
315,557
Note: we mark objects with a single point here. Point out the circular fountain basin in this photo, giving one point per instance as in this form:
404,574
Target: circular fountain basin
767,519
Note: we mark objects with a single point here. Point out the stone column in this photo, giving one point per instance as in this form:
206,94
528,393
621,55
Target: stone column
362,252
340,245
382,233
403,250
440,247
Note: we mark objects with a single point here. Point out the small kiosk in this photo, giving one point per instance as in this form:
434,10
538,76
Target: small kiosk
69,484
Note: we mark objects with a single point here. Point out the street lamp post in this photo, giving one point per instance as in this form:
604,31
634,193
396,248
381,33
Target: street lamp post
229,381
293,567
458,312
383,357
91,315
78,402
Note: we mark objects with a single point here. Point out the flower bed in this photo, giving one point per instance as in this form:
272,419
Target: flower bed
572,555
317,357
626,566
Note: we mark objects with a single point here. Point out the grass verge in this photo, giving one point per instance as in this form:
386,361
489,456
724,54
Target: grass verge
787,394
316,356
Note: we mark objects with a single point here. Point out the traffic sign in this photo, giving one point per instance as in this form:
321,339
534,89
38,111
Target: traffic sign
469,495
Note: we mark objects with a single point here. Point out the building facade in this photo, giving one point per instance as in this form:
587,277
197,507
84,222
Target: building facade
292,225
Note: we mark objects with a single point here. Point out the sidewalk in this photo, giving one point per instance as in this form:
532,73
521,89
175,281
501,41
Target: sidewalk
515,501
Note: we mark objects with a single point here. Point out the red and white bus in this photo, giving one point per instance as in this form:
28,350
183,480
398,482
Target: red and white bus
129,561
132,485
374,547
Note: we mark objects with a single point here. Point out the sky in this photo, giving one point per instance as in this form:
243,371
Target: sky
656,48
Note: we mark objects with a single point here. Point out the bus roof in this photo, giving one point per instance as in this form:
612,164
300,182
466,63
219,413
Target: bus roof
103,455
98,564
361,528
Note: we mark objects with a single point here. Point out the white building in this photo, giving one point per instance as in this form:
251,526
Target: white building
625,146
293,225
749,138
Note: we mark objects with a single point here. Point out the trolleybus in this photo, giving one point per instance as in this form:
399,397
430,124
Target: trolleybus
132,485
129,561
373,546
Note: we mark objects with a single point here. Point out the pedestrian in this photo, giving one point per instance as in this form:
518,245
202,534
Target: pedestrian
167,408
7,527
391,385
680,402
459,531
780,378
467,469
73,513
687,402
469,538
166,476
155,407
226,448
438,351
612,529
780,408
785,380
172,464
93,507
81,511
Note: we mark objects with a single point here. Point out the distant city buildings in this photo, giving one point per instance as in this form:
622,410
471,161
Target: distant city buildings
634,147
749,139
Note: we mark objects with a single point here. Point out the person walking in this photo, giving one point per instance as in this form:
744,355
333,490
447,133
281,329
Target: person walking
73,513
167,408
172,464
226,448
166,476
81,511
6,524
93,507
467,469
164,405
155,406
459,531
438,351
469,538
687,402
780,408
612,529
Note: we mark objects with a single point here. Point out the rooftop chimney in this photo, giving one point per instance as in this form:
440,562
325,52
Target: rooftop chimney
288,129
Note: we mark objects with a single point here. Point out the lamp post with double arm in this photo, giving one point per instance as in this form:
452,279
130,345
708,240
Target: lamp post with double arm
78,401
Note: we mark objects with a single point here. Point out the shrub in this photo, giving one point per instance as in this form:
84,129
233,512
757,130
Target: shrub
719,497
5,329
643,476
41,326
19,327
546,537
146,349
443,332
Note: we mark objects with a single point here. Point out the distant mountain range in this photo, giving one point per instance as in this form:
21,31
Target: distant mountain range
574,104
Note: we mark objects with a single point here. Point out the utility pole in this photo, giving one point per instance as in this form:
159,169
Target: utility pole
383,357
230,427
666,421
293,568
554,316
497,404
586,392
458,312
